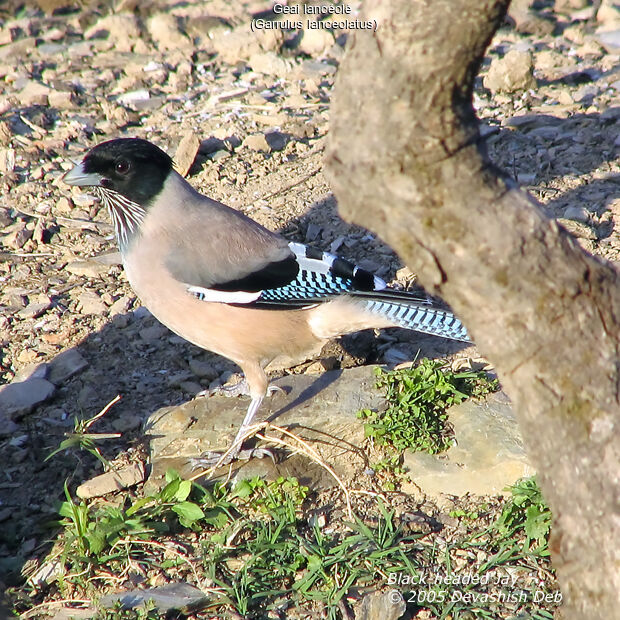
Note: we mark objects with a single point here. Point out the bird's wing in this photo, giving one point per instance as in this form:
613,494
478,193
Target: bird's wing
305,277
220,251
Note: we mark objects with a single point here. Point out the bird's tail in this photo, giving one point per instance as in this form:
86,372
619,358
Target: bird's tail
411,311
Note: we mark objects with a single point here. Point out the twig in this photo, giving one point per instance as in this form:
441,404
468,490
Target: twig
302,447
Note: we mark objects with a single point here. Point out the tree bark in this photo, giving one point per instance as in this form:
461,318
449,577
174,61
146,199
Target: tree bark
405,160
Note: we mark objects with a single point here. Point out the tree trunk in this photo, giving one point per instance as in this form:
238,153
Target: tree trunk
406,161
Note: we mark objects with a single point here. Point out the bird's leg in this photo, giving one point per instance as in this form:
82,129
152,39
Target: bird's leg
209,459
258,386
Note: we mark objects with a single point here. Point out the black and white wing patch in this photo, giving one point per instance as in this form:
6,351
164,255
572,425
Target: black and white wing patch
318,277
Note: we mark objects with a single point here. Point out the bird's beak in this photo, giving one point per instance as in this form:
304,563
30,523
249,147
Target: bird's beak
77,176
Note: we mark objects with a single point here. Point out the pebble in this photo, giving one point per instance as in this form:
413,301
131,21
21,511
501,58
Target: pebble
276,140
122,29
257,142
610,40
202,369
88,268
153,332
120,306
34,93
235,45
35,309
90,302
577,213
7,160
270,63
172,596
66,365
166,34
315,41
186,152
514,72
381,606
17,399
112,481
17,239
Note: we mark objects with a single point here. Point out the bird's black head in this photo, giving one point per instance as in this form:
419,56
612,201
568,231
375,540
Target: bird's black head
132,167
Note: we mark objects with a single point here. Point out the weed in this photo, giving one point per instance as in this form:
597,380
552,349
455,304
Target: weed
82,439
526,513
418,397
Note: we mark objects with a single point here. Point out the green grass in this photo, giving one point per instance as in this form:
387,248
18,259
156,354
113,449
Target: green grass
258,548
259,552
418,398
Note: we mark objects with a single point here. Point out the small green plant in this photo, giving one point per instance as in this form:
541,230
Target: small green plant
80,437
95,532
418,397
284,495
526,513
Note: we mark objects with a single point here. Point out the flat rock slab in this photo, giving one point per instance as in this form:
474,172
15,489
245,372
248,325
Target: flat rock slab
169,597
321,409
488,455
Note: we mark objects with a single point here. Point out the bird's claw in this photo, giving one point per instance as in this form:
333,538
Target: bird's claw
238,389
234,389
217,459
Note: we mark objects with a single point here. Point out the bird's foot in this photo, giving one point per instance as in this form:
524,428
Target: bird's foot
209,460
240,388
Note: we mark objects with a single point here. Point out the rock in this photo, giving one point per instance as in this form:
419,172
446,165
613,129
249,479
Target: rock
36,308
134,98
34,93
203,369
527,21
122,29
66,365
7,160
577,213
112,481
154,332
186,152
18,49
17,399
191,387
166,34
33,371
321,409
276,140
7,426
610,40
127,422
512,73
120,306
90,302
269,63
63,100
257,142
608,14
381,606
89,268
488,455
109,258
172,596
315,41
235,45
17,239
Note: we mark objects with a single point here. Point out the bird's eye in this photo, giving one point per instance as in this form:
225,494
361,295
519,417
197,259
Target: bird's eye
122,166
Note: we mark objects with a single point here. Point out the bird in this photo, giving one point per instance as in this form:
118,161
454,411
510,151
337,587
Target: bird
222,281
